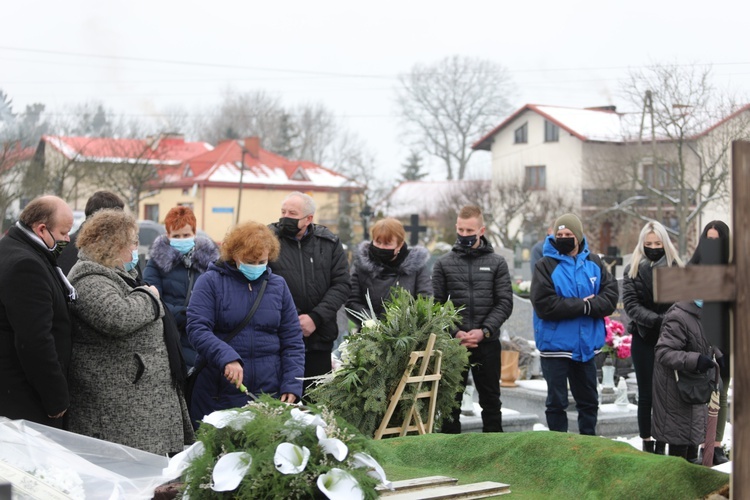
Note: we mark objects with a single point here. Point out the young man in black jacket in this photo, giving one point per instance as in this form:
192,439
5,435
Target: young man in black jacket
315,267
474,276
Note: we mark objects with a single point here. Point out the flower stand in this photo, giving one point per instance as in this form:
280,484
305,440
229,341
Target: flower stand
432,379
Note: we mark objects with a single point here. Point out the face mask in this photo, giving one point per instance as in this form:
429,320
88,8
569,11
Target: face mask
182,245
699,303
251,271
289,226
381,255
129,266
565,245
653,254
466,241
59,247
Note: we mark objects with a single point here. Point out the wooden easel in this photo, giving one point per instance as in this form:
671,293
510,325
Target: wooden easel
433,379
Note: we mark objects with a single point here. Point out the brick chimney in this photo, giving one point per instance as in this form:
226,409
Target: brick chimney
252,146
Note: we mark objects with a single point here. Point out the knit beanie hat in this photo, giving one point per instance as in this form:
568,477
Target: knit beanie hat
571,222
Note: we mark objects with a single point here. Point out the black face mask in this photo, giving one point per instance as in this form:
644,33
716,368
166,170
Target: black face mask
466,241
289,226
381,255
58,247
565,245
653,254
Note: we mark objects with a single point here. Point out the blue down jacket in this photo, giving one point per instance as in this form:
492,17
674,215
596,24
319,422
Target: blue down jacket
559,285
270,347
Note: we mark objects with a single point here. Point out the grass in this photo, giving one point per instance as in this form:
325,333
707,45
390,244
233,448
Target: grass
548,465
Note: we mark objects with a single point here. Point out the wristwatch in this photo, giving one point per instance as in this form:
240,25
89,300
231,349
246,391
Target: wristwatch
487,333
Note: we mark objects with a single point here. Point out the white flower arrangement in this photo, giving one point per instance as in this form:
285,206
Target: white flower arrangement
271,450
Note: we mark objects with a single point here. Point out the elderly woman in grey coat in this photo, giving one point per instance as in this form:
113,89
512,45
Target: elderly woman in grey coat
683,347
125,373
387,262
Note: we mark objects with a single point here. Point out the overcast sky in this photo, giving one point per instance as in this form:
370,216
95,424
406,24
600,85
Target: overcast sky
347,54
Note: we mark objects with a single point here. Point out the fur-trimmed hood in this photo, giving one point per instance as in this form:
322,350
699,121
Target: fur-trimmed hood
414,261
166,257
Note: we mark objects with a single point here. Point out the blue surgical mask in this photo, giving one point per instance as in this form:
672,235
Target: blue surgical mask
698,302
129,266
182,245
251,271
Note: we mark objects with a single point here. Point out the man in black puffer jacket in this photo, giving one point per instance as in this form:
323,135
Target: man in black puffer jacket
474,276
314,265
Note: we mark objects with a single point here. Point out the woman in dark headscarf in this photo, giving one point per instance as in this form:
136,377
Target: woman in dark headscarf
718,230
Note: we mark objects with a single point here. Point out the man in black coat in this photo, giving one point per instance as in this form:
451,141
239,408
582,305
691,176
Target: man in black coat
98,201
474,276
315,267
35,328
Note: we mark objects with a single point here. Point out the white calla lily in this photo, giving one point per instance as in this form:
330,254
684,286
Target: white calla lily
181,461
376,471
229,471
229,418
306,419
332,446
290,458
338,484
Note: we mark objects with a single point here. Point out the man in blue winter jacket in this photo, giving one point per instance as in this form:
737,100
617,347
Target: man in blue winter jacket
572,293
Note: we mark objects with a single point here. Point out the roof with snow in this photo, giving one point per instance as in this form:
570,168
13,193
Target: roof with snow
232,160
165,149
426,198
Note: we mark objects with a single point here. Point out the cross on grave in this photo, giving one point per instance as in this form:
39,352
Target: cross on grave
414,228
611,260
730,285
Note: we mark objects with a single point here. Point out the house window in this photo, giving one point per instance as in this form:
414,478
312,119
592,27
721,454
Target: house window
521,134
551,132
536,178
659,176
151,212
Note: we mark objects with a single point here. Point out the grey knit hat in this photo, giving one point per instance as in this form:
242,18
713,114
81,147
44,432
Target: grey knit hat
571,222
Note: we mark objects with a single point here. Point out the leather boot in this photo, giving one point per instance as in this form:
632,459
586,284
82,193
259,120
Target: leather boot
719,456
678,450
659,447
692,454
648,446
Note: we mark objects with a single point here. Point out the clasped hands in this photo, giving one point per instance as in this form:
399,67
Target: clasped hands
470,339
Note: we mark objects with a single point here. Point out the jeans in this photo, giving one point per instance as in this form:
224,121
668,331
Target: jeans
485,369
582,377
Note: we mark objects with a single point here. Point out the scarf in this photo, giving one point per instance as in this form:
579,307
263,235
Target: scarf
70,292
177,367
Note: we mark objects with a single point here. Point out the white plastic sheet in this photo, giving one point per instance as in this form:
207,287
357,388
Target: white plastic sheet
43,462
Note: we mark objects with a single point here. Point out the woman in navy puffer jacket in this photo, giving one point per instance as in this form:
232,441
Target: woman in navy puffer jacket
268,354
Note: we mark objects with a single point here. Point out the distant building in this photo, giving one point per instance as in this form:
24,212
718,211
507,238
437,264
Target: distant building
14,163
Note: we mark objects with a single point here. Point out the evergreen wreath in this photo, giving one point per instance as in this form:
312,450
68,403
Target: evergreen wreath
374,360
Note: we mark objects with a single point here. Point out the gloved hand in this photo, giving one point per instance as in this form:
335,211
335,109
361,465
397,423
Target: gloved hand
704,363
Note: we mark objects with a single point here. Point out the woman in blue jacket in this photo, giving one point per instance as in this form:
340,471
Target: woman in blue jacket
268,354
571,293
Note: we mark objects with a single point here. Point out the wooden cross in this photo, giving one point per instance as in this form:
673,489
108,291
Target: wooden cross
414,228
611,260
729,284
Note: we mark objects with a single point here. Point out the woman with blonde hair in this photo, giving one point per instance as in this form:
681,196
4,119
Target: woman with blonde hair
126,374
386,262
654,249
243,323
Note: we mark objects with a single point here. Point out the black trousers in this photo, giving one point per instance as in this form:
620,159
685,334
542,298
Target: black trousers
316,363
642,352
485,369
582,377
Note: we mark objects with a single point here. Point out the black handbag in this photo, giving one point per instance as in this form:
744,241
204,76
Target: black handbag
695,388
201,364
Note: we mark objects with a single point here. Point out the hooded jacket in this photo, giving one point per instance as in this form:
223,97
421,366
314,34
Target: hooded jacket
377,279
168,272
269,347
478,279
680,344
645,316
561,282
317,272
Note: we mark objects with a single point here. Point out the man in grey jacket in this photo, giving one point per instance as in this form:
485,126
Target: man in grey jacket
474,276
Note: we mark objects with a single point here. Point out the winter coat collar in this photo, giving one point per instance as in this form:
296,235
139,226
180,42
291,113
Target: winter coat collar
484,247
413,262
167,258
689,307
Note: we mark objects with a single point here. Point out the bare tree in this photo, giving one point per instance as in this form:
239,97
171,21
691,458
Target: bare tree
447,105
680,161
241,114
